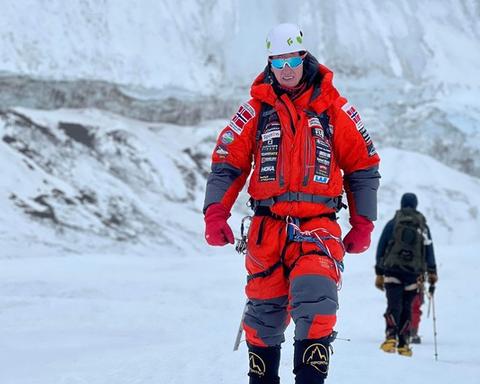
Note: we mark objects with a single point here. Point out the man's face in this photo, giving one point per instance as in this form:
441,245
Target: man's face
287,68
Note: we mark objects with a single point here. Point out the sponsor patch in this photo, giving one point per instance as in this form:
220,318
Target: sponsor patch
269,159
273,154
355,117
220,151
242,117
271,135
271,148
268,168
269,151
272,125
320,179
314,122
227,137
323,155
323,161
318,132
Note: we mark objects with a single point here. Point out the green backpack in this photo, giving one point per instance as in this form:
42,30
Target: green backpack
406,250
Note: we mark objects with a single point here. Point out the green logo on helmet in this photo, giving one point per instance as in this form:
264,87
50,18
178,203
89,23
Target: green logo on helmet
289,41
269,44
299,39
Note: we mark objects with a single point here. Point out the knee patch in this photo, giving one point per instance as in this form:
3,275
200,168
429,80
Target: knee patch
265,321
314,304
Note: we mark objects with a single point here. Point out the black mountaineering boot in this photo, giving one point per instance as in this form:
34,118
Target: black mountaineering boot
263,364
311,360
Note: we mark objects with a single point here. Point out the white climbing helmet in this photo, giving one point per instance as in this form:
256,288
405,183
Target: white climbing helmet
285,38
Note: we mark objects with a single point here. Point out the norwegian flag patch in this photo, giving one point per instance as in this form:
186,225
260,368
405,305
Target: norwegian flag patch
242,117
355,117
352,113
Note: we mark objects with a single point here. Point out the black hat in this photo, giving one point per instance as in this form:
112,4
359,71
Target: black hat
409,200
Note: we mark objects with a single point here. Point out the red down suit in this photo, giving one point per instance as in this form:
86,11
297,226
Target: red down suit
301,154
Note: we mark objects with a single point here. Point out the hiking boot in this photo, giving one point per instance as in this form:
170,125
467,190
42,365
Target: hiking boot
405,350
415,339
389,345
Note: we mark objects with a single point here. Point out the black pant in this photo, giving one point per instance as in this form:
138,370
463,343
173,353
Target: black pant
399,310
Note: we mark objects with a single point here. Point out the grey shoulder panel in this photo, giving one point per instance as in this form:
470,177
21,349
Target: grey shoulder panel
364,185
219,181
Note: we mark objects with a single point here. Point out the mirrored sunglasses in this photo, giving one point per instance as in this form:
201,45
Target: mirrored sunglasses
292,62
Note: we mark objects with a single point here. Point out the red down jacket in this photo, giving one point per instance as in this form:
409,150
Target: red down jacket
293,155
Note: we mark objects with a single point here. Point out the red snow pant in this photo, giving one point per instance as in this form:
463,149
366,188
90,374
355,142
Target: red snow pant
288,279
416,311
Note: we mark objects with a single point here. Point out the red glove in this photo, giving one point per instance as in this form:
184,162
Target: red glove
358,239
217,231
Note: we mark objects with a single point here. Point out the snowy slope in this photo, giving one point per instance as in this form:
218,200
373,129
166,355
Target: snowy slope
94,175
201,44
85,173
448,198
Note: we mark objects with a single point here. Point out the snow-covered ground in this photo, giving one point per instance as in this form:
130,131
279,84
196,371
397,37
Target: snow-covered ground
171,318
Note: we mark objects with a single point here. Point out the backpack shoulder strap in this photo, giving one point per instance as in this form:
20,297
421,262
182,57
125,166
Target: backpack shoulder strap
396,216
423,220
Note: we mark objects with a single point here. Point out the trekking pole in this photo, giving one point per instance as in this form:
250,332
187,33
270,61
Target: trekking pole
431,290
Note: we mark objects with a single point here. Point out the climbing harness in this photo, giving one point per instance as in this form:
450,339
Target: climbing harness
318,236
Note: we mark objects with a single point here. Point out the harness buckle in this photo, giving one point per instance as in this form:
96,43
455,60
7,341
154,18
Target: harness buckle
293,196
